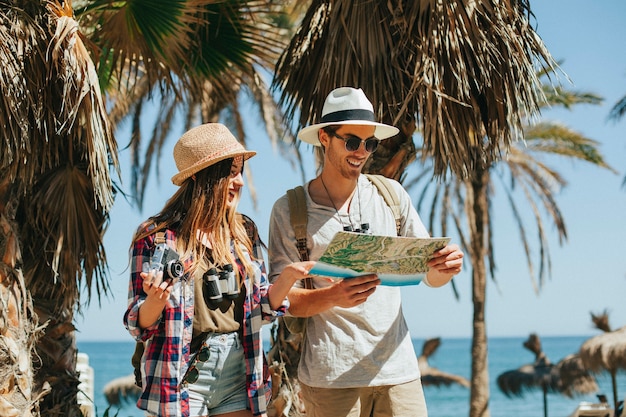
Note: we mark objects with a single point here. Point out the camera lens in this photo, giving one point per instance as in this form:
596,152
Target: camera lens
175,269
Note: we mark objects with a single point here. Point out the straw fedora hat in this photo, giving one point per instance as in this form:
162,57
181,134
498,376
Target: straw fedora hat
204,146
346,106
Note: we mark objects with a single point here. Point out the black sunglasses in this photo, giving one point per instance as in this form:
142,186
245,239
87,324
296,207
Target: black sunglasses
192,374
353,143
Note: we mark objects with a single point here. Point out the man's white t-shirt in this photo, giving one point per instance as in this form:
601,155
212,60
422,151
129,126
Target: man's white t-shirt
366,345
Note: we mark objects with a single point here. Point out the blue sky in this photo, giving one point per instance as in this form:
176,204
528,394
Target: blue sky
588,272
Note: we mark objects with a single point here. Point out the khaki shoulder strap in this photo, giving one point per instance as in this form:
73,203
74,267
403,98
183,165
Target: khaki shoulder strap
390,196
159,238
299,219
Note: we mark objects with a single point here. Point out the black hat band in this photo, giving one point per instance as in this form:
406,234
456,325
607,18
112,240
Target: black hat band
343,115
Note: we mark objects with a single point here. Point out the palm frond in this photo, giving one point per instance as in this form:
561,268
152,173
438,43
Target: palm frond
601,321
131,39
618,110
560,96
64,238
233,44
525,170
153,39
556,139
57,136
475,79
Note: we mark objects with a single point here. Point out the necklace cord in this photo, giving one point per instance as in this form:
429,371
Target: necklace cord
328,195
349,226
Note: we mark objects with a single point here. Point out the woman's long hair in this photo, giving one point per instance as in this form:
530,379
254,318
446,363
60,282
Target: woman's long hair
199,214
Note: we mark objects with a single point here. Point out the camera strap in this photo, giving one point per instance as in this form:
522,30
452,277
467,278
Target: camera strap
159,238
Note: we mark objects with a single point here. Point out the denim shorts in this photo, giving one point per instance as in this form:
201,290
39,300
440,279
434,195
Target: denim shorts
221,385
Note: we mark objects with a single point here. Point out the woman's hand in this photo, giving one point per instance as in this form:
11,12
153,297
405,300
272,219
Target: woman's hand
155,286
157,293
296,271
283,283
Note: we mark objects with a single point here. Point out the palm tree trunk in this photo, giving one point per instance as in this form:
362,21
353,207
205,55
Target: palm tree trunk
17,333
283,358
477,213
394,154
56,351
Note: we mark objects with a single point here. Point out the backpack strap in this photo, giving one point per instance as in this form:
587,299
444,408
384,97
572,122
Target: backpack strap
299,219
389,194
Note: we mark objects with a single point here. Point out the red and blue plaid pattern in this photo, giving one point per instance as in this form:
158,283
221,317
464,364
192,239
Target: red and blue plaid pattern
166,355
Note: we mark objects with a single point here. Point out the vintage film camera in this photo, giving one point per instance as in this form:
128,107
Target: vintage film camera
166,259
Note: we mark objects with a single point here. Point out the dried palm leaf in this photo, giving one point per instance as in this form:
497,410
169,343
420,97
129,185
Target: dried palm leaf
601,321
575,379
465,70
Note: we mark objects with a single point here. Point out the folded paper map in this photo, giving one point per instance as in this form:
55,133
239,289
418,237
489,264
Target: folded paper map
397,260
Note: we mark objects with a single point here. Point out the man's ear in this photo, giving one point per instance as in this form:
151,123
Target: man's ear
322,136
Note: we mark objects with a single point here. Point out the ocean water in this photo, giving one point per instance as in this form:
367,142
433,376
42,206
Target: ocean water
111,360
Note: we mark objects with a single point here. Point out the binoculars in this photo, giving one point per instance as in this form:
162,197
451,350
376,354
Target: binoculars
220,285
365,229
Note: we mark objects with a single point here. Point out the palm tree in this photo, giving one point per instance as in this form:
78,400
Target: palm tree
468,89
58,150
466,202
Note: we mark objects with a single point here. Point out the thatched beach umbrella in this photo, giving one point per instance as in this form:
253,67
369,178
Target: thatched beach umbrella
574,377
121,390
606,352
433,376
567,377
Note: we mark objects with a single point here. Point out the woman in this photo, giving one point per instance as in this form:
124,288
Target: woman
203,352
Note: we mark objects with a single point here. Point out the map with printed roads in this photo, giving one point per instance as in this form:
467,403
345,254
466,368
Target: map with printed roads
397,260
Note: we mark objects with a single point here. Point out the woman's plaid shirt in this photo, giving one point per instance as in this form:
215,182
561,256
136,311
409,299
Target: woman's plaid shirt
167,354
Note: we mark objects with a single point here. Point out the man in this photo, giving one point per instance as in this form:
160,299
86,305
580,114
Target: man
358,357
